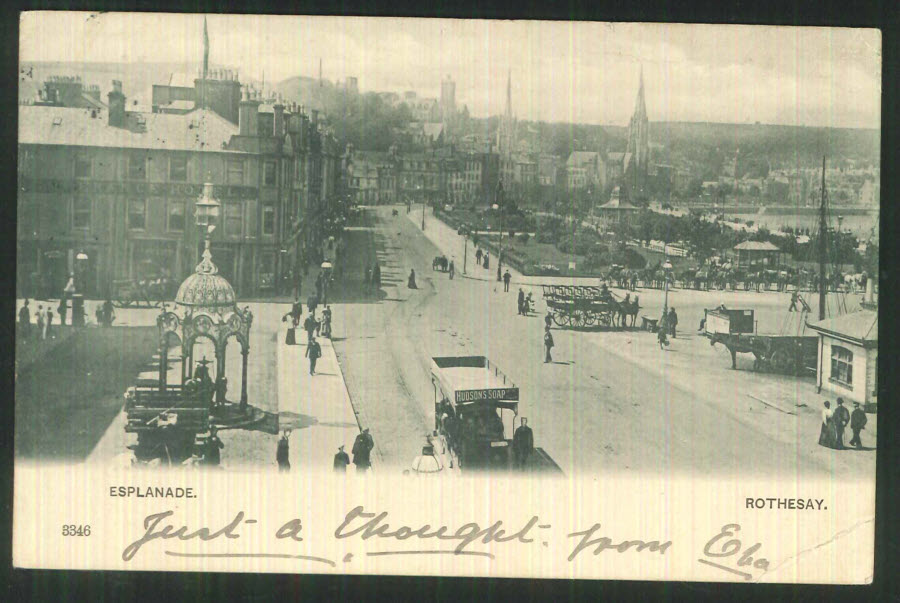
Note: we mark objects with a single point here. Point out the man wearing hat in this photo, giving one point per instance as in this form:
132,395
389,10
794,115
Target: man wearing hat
858,422
841,418
523,444
341,460
362,447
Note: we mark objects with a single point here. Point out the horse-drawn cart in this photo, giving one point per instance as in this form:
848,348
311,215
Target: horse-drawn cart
585,306
736,330
144,293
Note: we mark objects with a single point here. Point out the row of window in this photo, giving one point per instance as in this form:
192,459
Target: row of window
175,216
178,169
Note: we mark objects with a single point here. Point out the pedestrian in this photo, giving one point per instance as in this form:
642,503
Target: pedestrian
313,352
548,319
826,431
341,460
411,282
42,331
794,300
521,302
48,323
661,330
62,310
478,255
451,270
310,325
25,321
296,311
312,303
672,322
522,445
841,420
283,452
506,278
69,289
362,449
376,276
109,313
212,456
858,422
487,259
326,322
548,345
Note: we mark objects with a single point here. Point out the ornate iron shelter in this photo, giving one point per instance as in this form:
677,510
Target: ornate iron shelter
205,308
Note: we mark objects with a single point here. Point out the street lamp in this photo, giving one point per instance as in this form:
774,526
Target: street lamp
206,213
326,271
667,267
500,244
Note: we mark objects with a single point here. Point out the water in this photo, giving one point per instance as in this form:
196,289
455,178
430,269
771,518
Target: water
861,225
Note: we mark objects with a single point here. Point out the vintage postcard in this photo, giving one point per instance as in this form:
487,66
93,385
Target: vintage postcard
447,297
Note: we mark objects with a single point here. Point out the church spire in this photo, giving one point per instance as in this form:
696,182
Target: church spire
205,50
640,108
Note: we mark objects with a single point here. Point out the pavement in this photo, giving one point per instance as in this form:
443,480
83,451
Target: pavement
315,408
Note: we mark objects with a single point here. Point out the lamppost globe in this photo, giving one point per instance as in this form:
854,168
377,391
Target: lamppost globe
207,208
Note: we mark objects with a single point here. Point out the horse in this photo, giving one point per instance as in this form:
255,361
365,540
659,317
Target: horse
440,263
625,309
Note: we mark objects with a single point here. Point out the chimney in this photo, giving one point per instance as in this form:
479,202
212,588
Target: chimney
116,105
279,119
248,115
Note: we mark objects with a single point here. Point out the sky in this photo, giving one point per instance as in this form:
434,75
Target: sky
580,72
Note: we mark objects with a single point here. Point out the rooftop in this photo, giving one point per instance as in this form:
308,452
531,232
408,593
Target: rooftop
200,130
861,326
756,246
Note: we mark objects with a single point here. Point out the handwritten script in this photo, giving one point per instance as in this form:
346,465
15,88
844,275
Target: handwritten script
360,526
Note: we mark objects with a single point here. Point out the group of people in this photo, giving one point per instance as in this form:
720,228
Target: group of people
313,327
834,421
483,258
526,302
362,449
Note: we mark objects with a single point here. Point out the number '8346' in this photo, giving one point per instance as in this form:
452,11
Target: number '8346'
73,530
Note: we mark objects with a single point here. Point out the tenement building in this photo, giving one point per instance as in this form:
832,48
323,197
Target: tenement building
109,193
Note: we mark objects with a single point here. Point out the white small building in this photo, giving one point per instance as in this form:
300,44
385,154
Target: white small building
848,356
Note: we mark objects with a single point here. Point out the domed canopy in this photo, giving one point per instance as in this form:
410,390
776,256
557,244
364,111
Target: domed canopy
205,290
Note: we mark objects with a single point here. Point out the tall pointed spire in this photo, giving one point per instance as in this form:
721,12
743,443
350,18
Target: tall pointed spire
640,108
205,49
509,94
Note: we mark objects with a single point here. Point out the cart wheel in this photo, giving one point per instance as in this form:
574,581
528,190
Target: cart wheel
578,318
559,319
590,318
605,319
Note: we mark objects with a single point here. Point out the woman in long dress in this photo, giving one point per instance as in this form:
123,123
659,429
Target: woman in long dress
826,433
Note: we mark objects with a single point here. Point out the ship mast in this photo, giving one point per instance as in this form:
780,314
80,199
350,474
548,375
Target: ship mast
823,230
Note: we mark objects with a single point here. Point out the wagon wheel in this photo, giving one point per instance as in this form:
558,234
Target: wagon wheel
560,318
578,318
782,362
605,318
590,318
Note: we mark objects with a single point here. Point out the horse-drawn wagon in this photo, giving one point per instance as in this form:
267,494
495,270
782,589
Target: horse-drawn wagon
585,306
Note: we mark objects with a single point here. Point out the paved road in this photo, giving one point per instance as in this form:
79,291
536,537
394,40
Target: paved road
605,405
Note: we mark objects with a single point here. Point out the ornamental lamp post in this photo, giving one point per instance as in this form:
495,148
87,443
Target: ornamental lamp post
207,210
667,267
